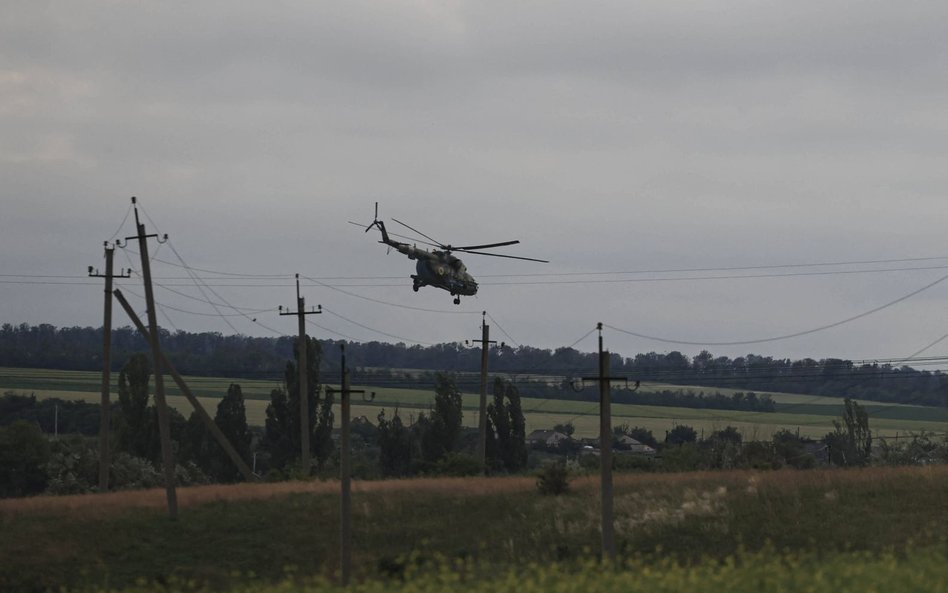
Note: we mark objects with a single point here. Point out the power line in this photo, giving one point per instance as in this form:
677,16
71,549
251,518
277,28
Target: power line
201,290
786,336
390,304
622,273
502,330
732,268
266,281
705,278
334,332
122,224
372,329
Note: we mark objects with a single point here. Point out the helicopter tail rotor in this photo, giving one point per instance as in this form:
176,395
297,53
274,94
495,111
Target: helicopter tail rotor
375,219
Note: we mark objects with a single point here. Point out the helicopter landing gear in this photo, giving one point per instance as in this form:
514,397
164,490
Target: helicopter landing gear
457,300
415,287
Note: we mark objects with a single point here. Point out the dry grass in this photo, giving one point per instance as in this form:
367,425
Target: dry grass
115,502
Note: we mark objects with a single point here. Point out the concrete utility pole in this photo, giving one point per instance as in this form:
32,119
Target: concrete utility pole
345,473
302,364
605,454
605,449
164,427
201,412
105,411
482,408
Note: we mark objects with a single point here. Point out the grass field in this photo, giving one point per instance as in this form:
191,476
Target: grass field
810,415
829,530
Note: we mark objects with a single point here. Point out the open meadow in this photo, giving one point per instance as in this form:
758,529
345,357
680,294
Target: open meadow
818,530
812,416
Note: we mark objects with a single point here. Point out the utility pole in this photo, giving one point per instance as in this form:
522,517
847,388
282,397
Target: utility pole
605,449
105,406
164,428
482,408
345,473
301,313
605,454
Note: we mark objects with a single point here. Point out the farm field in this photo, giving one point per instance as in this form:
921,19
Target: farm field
817,530
810,415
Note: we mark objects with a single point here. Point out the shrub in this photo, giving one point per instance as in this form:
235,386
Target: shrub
553,480
24,452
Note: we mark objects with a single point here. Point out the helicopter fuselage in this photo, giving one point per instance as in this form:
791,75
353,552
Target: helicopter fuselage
443,270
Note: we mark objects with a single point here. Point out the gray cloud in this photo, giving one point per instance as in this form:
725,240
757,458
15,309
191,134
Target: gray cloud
609,136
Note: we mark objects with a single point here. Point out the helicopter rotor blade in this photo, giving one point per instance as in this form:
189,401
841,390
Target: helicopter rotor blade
367,228
486,246
438,243
542,261
415,240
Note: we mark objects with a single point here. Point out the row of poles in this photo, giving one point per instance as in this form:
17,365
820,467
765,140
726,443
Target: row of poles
160,361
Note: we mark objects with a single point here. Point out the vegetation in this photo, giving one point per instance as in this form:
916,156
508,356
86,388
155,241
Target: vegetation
212,354
506,429
553,479
24,451
704,522
283,434
922,570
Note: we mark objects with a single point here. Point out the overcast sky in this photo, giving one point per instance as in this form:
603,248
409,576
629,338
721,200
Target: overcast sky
607,136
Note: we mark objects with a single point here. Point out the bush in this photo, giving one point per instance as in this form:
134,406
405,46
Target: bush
553,480
73,467
24,452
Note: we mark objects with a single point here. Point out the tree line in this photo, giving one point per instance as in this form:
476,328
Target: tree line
434,442
213,354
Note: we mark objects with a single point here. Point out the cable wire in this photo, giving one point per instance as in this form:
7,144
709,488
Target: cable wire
122,224
381,302
372,329
787,336
502,330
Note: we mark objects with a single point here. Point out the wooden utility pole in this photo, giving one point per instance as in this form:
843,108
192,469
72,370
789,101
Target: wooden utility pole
201,412
482,408
301,314
345,474
105,406
164,427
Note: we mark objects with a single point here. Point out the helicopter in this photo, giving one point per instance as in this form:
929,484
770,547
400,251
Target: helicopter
439,268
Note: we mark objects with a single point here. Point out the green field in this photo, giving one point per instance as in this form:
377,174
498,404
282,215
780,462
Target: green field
878,529
811,415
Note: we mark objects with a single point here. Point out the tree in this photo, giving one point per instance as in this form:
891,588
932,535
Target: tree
24,452
279,431
789,449
440,430
850,443
133,431
567,428
506,429
680,435
395,445
283,413
231,419
724,448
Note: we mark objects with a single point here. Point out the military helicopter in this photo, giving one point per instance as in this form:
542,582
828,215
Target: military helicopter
439,268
